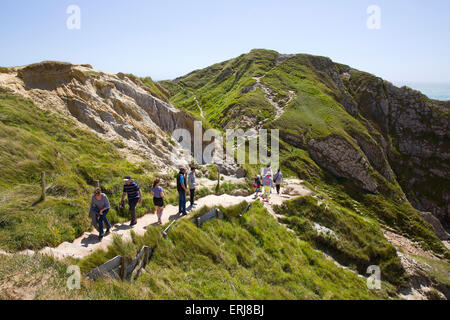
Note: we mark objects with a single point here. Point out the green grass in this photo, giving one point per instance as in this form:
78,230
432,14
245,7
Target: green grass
440,270
315,113
252,257
360,242
385,208
212,172
32,141
220,87
37,277
91,73
155,89
121,248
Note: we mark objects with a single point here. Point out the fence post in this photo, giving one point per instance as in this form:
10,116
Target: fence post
217,213
97,183
198,221
218,179
123,268
43,185
146,256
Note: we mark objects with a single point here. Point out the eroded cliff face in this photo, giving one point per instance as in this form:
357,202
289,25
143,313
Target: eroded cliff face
117,107
415,138
409,137
344,160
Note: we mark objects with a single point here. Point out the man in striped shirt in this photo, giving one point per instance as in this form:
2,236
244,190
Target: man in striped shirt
132,190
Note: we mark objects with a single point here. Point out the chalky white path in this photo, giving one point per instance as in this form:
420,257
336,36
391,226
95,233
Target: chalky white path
89,243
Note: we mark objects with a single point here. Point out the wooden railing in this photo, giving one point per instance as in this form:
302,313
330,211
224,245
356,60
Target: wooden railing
125,269
213,214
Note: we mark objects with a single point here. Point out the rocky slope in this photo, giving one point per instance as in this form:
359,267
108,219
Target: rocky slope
119,108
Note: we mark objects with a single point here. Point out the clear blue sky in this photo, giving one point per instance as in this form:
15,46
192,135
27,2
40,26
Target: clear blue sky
166,39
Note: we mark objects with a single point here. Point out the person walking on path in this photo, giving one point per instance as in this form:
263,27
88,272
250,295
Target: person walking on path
182,190
100,208
134,194
158,194
257,186
266,171
267,182
192,185
278,180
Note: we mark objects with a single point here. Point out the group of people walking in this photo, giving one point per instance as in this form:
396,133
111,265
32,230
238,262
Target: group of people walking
100,205
267,180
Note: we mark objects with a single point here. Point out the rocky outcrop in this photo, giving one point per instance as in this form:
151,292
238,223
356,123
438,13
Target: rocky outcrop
415,139
410,136
436,224
421,286
114,106
343,159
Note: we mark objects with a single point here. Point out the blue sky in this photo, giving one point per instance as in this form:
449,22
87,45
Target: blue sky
166,39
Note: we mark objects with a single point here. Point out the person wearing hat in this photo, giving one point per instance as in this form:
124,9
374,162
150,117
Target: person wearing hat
132,190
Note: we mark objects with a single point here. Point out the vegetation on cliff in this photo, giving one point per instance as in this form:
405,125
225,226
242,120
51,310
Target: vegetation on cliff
33,140
252,257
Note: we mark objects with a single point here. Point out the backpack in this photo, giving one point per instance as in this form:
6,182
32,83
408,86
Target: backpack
276,178
179,188
267,180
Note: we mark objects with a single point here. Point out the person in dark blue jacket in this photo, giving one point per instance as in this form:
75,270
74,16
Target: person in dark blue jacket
133,192
182,191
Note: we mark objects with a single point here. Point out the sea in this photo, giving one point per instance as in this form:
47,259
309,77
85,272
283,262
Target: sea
437,91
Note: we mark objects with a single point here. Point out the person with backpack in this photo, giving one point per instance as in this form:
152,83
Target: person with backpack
192,185
99,209
278,180
257,185
182,190
158,200
133,192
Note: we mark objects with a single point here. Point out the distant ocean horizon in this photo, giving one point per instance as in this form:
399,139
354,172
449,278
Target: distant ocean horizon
437,91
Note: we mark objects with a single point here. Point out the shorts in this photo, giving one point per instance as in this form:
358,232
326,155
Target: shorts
159,202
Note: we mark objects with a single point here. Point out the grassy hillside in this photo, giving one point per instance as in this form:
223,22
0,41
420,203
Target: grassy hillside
220,88
252,257
32,141
152,87
315,112
356,241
